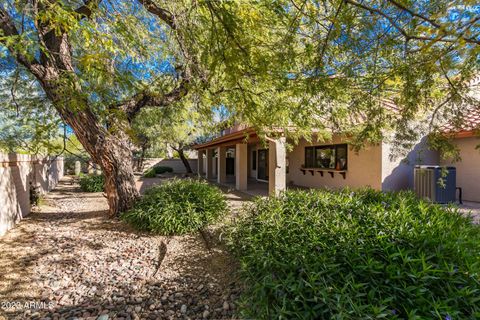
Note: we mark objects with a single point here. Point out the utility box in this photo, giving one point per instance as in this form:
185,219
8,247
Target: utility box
430,184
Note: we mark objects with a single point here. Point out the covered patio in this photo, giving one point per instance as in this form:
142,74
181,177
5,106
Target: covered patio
238,159
255,187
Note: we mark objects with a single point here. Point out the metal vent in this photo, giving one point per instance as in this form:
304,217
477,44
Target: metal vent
427,183
424,183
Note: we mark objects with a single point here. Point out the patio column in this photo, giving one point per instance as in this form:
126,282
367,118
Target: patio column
200,163
241,166
209,155
222,165
277,173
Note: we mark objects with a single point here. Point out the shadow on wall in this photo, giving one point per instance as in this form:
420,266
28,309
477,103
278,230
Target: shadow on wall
14,190
16,173
397,173
177,165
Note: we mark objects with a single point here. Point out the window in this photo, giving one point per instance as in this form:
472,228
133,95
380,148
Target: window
326,157
254,160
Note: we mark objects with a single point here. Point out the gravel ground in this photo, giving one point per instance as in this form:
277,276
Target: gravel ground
68,261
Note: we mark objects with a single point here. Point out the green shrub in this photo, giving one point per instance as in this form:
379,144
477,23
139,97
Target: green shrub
177,207
150,173
162,169
356,255
92,183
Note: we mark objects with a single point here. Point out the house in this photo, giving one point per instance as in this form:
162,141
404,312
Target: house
241,158
466,139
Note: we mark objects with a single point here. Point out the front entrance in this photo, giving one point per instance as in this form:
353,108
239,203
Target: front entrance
230,166
262,172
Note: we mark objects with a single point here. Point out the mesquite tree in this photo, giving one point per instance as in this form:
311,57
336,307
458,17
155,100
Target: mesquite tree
28,123
101,62
173,127
331,65
50,39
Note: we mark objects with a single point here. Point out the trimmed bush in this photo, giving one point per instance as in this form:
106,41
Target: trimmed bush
162,169
150,173
356,255
177,207
92,183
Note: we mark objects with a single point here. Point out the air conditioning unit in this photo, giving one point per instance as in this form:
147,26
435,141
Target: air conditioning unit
430,184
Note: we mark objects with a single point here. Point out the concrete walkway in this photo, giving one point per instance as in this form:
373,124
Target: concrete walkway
471,209
255,188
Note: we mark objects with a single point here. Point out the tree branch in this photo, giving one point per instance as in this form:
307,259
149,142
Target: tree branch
377,11
330,28
414,14
9,30
86,10
440,38
133,105
163,14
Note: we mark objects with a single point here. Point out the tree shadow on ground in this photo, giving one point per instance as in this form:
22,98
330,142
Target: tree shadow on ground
193,274
76,243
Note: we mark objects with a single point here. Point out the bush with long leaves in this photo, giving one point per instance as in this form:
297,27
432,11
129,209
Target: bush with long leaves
92,183
179,206
356,255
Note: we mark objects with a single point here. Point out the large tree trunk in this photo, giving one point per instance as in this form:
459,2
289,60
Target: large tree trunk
108,148
119,179
56,73
111,152
184,160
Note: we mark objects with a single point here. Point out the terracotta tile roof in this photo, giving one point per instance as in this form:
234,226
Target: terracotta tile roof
466,124
470,122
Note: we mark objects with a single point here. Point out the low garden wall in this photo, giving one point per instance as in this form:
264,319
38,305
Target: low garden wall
17,173
177,165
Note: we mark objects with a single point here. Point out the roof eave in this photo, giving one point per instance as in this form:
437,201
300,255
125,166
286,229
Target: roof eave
229,137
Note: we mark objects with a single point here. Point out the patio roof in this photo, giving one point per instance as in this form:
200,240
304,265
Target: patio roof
241,135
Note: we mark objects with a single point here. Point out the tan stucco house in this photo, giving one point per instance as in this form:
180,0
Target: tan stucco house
238,156
466,139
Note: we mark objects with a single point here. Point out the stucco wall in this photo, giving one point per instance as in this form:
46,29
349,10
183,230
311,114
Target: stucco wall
468,169
397,171
16,173
364,168
178,166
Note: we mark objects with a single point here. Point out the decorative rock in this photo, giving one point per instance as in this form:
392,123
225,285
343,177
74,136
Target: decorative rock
101,271
183,309
226,306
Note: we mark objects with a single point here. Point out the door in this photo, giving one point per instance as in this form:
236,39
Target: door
230,166
262,168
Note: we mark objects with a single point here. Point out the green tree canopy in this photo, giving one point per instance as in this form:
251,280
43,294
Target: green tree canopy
359,68
28,121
